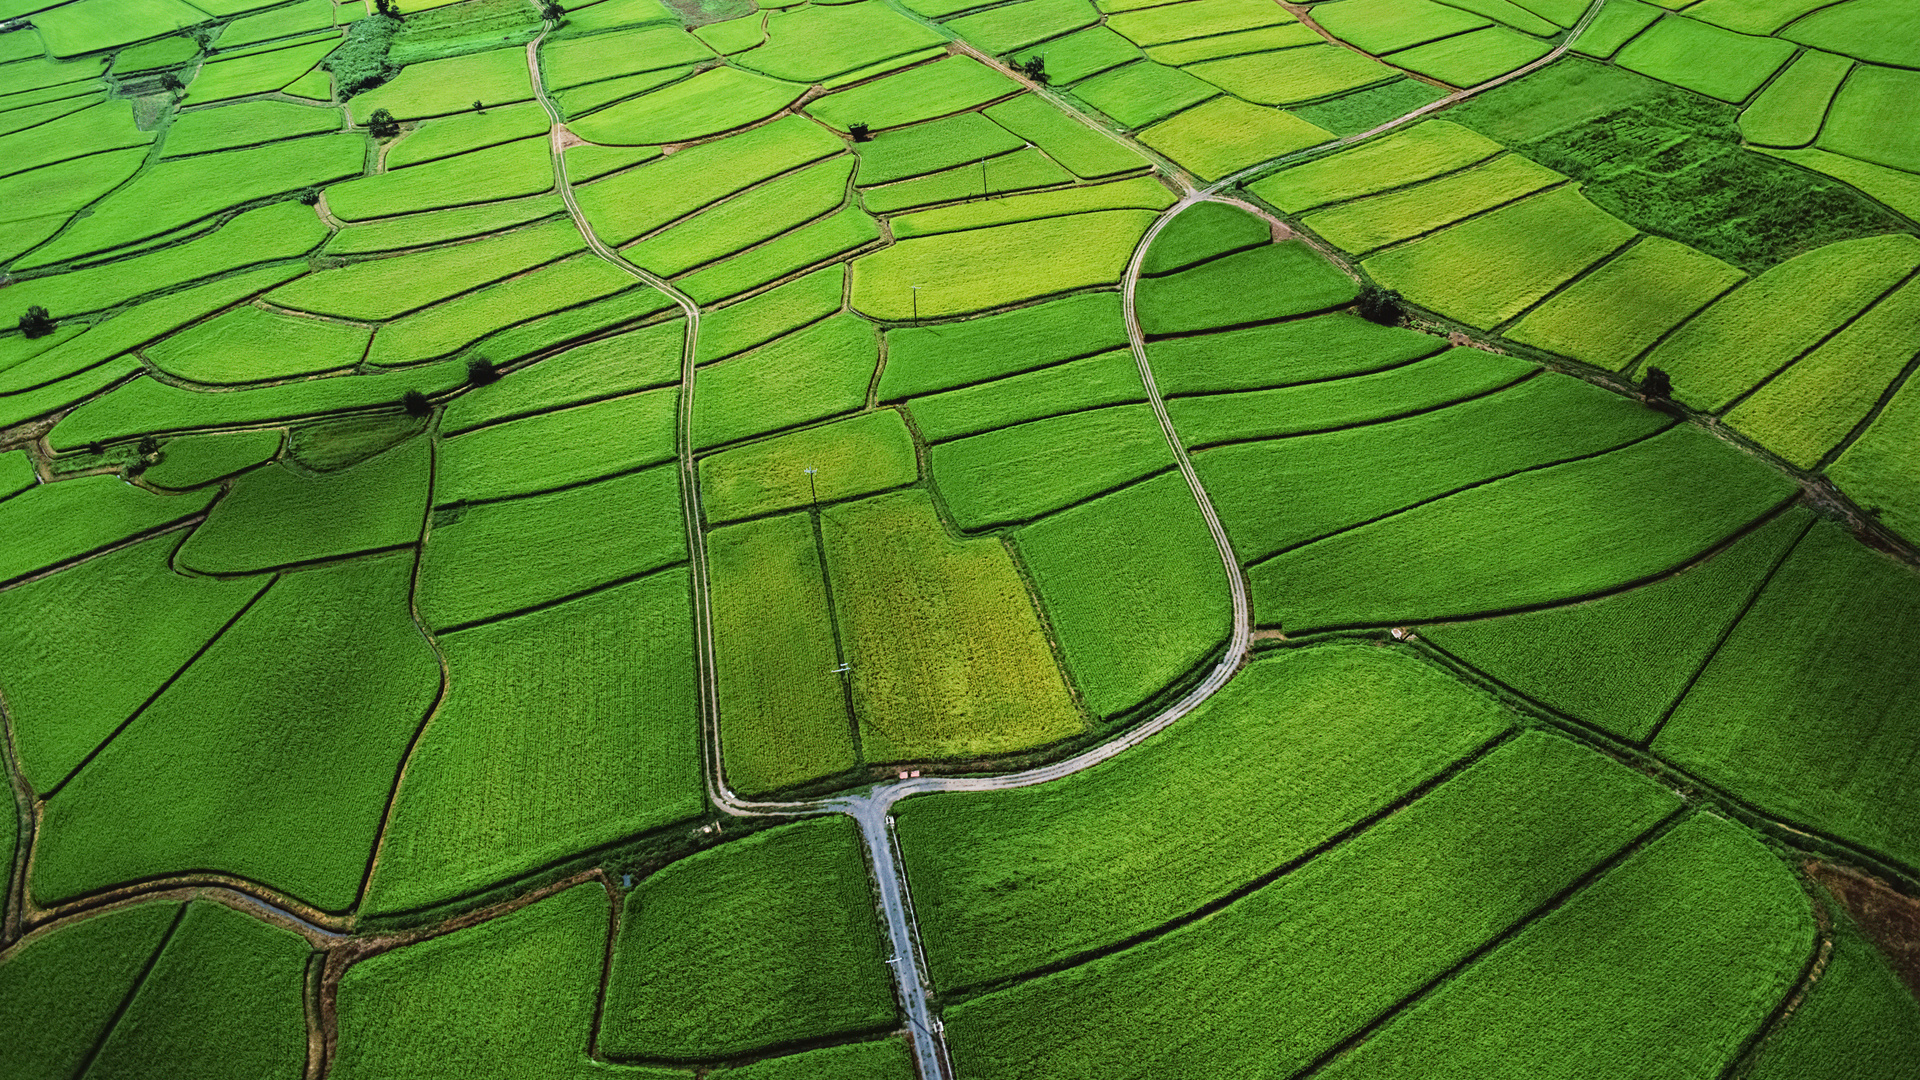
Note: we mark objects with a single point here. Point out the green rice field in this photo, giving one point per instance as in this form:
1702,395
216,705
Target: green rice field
959,540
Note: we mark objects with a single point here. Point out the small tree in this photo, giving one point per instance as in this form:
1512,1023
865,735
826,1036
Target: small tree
388,8
36,323
860,133
309,196
1381,306
416,404
551,11
1036,69
1657,385
479,107
149,450
481,372
382,124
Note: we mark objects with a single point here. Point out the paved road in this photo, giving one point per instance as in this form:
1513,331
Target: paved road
872,809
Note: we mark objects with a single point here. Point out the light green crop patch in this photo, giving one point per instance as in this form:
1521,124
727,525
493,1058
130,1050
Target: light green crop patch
842,460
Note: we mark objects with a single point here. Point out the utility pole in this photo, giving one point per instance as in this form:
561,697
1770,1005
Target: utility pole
916,304
813,485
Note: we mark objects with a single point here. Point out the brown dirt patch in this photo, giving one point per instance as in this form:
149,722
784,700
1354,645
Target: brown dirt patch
1889,918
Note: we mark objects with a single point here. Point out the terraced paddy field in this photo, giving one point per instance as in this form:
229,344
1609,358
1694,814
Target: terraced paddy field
960,539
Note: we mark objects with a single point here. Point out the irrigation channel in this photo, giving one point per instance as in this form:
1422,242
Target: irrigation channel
872,808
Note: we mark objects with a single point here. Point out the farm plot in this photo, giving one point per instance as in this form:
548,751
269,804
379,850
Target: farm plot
477,130
1133,590
440,87
1421,152
1261,285
1770,320
1796,712
644,359
1279,494
1238,43
745,220
766,940
1614,313
514,774
263,72
223,999
1383,26
1110,378
1088,154
1076,56
1369,224
398,233
1027,168
1201,232
277,517
1705,59
1692,940
1472,58
928,359
383,288
55,523
1014,474
1159,24
930,147
192,460
269,235
983,269
252,344
849,458
90,129
1309,350
1618,23
1865,118
812,245
1790,111
1872,30
248,123
627,205
500,558
1017,26
810,44
61,991
572,62
1808,410
448,327
882,1059
1218,137
951,85
1009,881
1298,74
180,191
1140,93
1420,891
778,311
784,716
556,449
1878,472
1020,170
299,713
61,702
1503,546
961,670
711,102
1488,269
508,171
517,993
811,374
1621,662
1330,404
1859,1012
